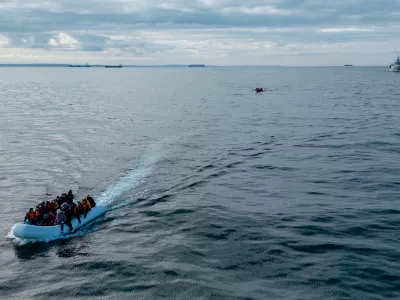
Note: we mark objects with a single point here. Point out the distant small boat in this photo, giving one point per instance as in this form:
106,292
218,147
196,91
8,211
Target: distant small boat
395,67
348,65
112,66
197,66
80,66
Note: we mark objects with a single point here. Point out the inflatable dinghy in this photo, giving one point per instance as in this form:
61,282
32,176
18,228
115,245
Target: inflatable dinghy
32,232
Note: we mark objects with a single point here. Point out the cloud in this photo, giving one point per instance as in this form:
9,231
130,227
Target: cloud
64,41
4,41
211,31
259,10
345,29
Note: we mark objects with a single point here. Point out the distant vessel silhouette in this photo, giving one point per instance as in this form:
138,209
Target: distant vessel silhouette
197,66
112,66
80,66
395,67
348,65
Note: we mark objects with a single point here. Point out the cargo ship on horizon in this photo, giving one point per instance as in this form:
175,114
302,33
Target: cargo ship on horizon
113,66
80,66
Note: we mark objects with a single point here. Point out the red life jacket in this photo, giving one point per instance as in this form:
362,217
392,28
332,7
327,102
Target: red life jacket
49,206
38,214
77,211
31,215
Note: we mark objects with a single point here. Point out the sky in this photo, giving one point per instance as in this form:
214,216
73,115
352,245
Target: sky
213,32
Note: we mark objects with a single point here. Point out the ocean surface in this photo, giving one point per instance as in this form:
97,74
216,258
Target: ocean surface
212,191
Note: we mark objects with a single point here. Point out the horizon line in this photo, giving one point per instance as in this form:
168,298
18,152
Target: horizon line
176,65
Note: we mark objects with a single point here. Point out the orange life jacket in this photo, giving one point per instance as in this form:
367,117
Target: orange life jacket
31,215
87,202
37,213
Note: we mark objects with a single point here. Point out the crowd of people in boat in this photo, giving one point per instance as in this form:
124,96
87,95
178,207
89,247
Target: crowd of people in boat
60,211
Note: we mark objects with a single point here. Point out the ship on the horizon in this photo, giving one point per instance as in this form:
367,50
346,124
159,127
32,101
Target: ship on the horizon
113,66
395,66
80,66
197,66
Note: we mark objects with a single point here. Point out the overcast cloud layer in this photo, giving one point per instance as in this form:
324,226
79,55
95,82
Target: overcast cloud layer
218,32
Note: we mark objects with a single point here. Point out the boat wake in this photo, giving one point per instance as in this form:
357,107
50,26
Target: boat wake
125,184
113,198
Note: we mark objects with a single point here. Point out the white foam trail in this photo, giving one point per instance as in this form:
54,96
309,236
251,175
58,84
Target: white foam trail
134,178
128,182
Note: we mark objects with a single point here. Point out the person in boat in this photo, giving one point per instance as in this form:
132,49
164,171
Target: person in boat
86,207
65,207
41,208
38,215
91,201
48,206
53,218
78,211
70,196
258,90
54,205
71,209
63,199
68,211
84,199
30,216
58,200
46,220
62,219
71,203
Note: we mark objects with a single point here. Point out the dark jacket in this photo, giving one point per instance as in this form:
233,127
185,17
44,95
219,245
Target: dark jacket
91,201
46,220
65,207
61,218
70,196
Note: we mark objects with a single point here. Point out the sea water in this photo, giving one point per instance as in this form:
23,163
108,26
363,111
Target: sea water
212,191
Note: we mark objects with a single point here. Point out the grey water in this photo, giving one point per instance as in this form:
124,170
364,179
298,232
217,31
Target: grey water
212,191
